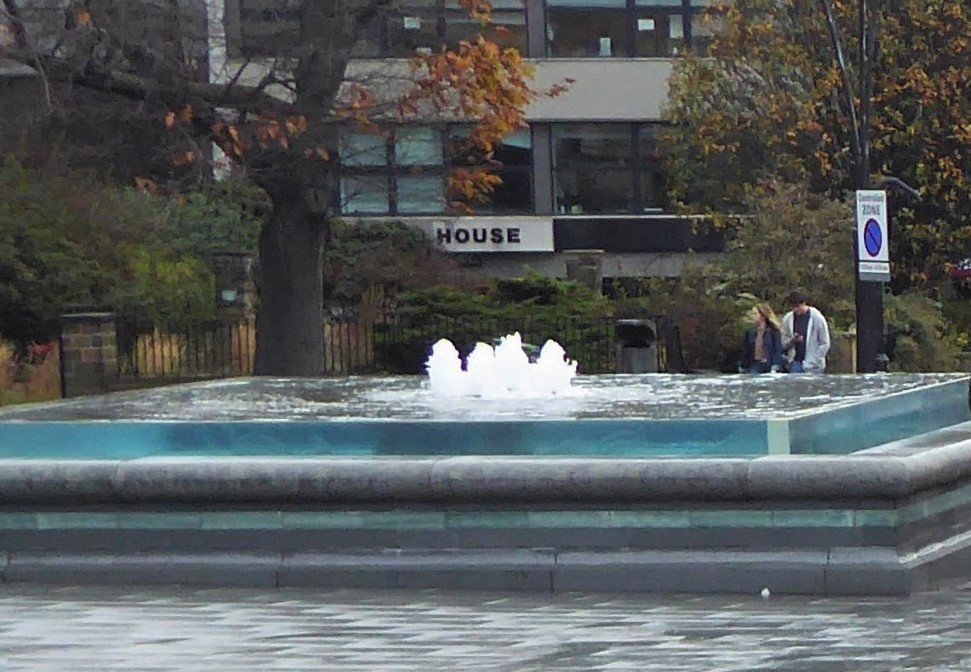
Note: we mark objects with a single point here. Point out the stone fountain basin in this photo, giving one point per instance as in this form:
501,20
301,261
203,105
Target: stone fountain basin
889,519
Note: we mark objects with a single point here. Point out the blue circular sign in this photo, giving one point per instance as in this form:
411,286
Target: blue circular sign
872,237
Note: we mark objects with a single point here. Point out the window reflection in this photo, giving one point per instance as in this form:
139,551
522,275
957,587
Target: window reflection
425,26
658,33
512,161
418,146
507,26
413,27
363,149
603,28
364,195
605,169
592,165
420,194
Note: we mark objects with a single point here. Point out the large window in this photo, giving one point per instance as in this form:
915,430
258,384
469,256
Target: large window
272,27
605,28
404,171
425,26
606,169
512,161
400,172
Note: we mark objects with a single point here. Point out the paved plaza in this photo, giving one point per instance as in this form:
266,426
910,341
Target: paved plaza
149,629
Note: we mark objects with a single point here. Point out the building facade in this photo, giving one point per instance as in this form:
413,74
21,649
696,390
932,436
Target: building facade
585,176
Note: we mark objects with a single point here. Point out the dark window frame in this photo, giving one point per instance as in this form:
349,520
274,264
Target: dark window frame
687,10
640,167
248,45
442,12
393,170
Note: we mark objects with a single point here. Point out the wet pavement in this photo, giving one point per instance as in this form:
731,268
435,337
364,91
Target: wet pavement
141,629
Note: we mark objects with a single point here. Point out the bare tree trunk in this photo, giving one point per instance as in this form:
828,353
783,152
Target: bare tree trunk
289,320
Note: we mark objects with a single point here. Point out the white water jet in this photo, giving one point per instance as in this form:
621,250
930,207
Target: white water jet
446,377
500,372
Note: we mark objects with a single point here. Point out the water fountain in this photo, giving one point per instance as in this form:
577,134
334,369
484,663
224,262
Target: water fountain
502,474
500,372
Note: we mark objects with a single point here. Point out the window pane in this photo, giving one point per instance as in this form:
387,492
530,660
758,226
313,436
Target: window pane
507,28
592,169
658,33
268,27
413,27
515,194
514,149
651,187
364,195
579,33
420,194
418,146
514,166
368,43
363,149
589,4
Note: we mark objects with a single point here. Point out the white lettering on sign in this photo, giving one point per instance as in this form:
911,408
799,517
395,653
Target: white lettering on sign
493,234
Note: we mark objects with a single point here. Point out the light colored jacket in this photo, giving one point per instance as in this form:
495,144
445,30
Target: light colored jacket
817,340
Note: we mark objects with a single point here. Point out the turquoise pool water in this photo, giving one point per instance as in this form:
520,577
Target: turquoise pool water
608,416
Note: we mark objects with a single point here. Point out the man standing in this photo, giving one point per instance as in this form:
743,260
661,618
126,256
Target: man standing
805,336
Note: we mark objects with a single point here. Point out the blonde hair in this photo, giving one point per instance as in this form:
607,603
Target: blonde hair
765,310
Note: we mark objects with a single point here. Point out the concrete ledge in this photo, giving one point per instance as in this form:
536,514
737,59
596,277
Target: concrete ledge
693,572
480,479
484,570
850,571
253,570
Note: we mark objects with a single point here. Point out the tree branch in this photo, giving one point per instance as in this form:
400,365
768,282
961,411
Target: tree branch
173,94
855,145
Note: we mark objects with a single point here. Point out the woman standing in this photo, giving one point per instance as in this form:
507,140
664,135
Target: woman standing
762,347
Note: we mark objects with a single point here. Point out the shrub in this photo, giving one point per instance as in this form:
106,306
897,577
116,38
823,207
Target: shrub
923,338
67,240
34,378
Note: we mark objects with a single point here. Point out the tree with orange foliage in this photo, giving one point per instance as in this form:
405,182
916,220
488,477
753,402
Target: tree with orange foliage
839,95
280,119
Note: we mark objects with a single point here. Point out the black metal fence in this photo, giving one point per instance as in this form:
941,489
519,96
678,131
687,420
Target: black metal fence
385,343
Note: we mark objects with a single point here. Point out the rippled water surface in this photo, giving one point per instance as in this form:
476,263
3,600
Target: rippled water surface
650,397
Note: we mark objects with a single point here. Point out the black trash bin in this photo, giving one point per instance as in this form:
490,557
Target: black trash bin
636,346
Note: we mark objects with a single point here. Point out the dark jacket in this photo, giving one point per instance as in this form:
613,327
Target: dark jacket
771,343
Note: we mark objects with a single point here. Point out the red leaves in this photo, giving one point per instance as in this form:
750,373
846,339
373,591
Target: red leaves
146,185
181,116
82,18
229,140
183,159
320,153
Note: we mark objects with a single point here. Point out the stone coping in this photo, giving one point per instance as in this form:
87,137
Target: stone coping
486,480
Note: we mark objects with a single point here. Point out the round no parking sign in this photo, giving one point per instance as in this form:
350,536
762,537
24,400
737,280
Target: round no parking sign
873,258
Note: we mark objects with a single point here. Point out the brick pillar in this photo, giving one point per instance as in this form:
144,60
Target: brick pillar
89,354
235,288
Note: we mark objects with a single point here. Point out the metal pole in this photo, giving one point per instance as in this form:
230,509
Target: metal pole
869,294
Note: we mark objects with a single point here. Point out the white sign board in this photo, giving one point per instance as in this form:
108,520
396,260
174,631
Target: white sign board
492,234
873,241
